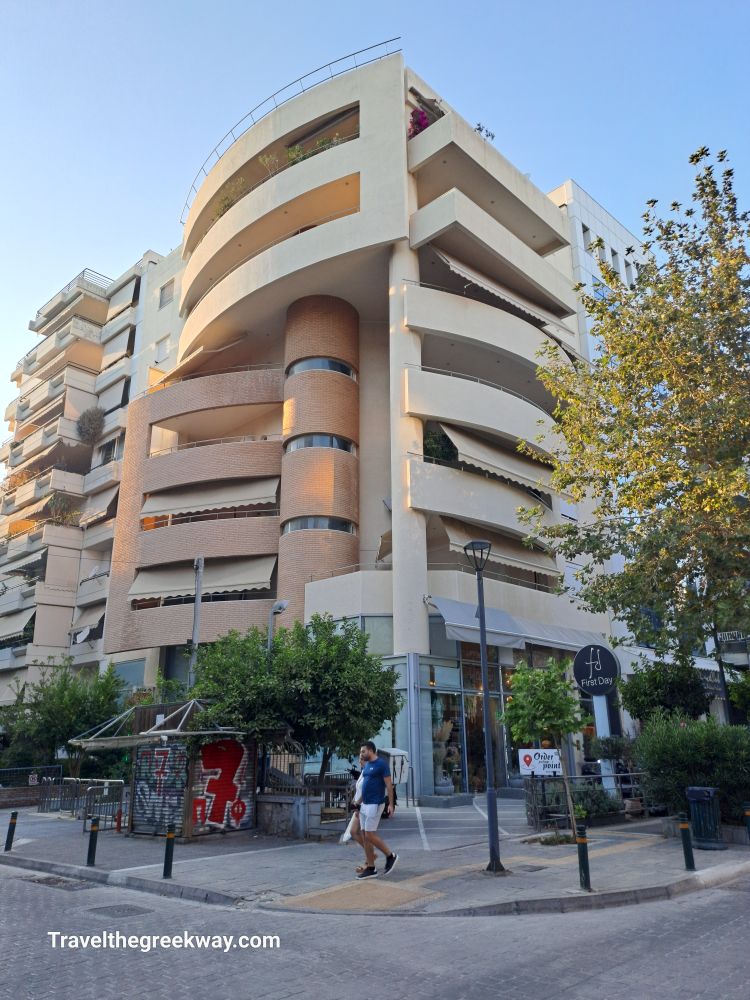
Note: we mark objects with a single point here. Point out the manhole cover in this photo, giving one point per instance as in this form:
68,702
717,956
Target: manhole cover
531,868
123,910
71,884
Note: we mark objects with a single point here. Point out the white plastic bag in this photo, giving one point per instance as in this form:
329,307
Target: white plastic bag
346,836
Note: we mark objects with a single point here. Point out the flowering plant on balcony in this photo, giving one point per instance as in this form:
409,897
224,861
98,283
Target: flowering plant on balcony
418,122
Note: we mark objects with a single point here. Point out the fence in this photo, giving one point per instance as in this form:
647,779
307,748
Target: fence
21,786
282,773
107,800
600,796
79,796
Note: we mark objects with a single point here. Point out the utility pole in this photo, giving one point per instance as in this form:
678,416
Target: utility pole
198,564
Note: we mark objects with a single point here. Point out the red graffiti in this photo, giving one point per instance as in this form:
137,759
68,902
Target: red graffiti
229,758
161,768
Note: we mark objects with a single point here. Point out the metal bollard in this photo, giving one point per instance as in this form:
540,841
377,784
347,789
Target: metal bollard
168,852
118,821
11,830
746,810
687,844
583,857
91,856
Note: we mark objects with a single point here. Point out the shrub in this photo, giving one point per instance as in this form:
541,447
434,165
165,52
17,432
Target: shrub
91,424
678,752
594,800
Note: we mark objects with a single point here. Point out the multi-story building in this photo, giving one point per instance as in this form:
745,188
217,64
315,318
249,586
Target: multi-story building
327,386
60,492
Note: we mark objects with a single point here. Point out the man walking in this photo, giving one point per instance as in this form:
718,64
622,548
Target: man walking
377,782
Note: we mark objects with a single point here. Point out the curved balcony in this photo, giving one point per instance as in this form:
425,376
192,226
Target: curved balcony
317,187
467,402
225,308
214,391
217,538
461,495
206,462
445,314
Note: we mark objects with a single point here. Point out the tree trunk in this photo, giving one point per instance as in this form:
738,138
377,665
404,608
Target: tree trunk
722,675
327,754
566,783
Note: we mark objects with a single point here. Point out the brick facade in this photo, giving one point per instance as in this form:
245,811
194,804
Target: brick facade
320,481
321,326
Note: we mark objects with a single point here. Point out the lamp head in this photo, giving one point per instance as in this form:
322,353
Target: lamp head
279,606
477,552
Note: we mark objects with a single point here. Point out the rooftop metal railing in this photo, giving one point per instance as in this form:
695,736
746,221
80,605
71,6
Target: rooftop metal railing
87,278
294,89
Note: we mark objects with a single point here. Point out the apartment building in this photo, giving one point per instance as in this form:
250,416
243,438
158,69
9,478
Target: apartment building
320,393
59,496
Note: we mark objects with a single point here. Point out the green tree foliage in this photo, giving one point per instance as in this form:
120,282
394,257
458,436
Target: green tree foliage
678,752
321,681
62,704
739,690
545,705
668,687
655,433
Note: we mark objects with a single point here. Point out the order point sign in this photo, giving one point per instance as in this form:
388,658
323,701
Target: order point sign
543,763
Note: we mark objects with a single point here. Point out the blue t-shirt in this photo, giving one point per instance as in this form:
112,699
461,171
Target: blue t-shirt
373,787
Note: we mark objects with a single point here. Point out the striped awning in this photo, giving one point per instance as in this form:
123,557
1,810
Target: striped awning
13,625
492,458
505,551
212,496
225,576
97,506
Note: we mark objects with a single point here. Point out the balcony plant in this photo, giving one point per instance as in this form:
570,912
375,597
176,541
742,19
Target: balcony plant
90,425
418,122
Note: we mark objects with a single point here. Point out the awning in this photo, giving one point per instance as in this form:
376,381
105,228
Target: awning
27,513
477,278
87,621
491,458
504,629
212,496
97,506
185,366
385,546
504,551
24,566
235,575
13,625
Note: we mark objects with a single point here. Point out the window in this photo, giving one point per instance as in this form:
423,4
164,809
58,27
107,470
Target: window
319,523
615,261
166,293
628,274
111,451
321,441
125,392
586,238
161,350
321,364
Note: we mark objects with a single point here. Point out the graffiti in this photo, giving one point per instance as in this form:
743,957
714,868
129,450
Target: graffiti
223,796
160,782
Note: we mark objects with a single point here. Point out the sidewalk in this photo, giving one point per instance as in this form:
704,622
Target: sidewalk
440,870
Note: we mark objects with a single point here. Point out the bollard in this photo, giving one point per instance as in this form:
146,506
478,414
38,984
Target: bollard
583,857
168,852
687,846
746,810
118,821
11,830
91,856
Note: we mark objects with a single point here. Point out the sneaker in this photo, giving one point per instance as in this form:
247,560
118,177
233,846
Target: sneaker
390,862
368,873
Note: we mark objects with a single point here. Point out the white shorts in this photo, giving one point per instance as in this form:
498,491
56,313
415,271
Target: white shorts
369,816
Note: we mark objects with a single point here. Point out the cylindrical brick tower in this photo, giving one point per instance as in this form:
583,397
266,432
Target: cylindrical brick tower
320,468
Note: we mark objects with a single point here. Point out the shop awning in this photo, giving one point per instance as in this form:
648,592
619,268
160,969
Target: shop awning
483,455
504,551
509,631
13,625
212,496
97,506
236,575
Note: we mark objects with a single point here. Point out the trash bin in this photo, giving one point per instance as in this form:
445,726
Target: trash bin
705,818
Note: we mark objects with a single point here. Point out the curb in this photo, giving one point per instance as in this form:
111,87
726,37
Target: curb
558,904
165,888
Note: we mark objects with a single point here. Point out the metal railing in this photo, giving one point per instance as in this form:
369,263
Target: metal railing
217,515
294,89
456,567
29,777
209,441
87,277
600,796
105,799
169,382
273,173
313,224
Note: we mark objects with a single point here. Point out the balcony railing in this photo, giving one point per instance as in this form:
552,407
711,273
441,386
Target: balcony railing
294,89
216,515
168,382
224,440
456,567
87,279
481,381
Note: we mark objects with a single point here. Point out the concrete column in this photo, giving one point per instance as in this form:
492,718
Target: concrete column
410,614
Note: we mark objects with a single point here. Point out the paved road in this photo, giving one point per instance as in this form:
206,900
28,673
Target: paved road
690,948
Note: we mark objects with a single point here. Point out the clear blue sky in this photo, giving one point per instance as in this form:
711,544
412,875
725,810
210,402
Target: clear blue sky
108,109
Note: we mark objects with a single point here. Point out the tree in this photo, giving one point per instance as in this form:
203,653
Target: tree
320,680
739,690
674,687
62,704
655,432
545,705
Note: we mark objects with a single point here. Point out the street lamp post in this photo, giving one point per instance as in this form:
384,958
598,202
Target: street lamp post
276,609
477,552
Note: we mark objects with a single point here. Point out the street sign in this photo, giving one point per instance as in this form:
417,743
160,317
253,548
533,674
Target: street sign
543,763
596,669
